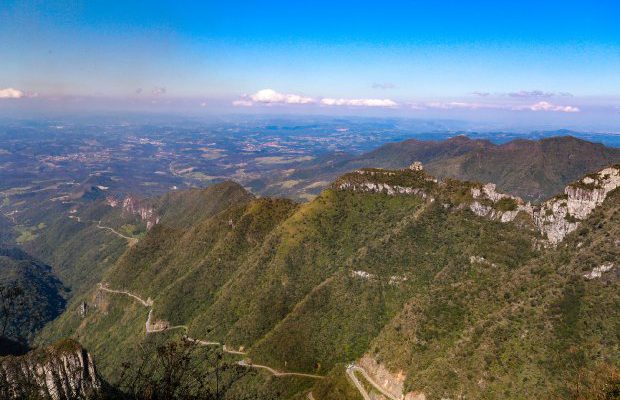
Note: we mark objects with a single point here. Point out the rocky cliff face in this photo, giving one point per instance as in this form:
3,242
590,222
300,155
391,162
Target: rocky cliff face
392,383
409,181
561,215
390,190
62,371
492,204
556,217
133,206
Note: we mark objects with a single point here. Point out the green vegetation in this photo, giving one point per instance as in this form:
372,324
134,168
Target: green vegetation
79,251
25,234
336,386
310,287
405,178
532,170
506,204
30,295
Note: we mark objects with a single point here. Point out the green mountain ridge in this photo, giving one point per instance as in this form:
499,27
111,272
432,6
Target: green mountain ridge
387,264
532,169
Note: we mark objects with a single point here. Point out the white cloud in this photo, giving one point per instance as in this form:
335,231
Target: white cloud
459,105
270,96
10,93
524,94
455,105
359,102
242,103
546,106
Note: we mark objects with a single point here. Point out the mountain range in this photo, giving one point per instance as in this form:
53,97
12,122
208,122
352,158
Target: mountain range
531,169
409,275
435,288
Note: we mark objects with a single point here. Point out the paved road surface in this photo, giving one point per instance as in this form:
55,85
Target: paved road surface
279,373
351,373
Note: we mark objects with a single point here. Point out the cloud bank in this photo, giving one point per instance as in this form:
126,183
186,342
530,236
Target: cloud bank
359,102
11,93
268,97
455,105
271,97
242,103
525,94
546,106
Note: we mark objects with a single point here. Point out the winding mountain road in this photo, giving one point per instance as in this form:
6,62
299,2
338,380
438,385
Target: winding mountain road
358,385
149,329
352,368
275,372
350,371
146,303
130,240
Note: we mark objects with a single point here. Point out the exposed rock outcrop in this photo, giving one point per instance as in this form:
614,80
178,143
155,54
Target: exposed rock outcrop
62,371
561,215
597,272
382,188
556,217
416,166
410,181
391,383
494,205
133,206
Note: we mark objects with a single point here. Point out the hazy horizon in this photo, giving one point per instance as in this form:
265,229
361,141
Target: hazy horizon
528,64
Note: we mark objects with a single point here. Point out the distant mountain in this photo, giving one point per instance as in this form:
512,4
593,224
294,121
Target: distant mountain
532,169
446,289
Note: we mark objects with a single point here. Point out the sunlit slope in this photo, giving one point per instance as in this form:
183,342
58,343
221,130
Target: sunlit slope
548,328
388,264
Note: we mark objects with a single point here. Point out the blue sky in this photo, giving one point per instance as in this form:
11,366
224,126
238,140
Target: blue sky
479,58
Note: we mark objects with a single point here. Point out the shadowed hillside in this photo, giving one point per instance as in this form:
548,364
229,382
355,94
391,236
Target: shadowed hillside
31,295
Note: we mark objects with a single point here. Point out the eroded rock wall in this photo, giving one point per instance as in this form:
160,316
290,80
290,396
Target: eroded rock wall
64,371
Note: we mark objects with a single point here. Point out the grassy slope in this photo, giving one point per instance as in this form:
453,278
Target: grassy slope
534,331
79,251
277,278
